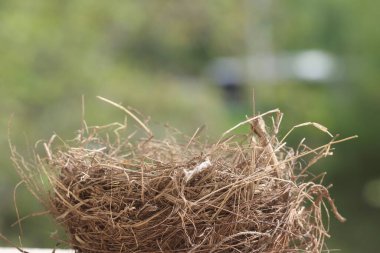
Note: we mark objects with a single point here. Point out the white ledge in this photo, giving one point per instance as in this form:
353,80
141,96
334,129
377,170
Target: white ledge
35,250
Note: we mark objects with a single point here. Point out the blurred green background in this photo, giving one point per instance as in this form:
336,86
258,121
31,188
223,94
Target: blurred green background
156,57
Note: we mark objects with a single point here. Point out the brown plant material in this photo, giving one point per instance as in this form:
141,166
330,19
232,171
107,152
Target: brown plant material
114,192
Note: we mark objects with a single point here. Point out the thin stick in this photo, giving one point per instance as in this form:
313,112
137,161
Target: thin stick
83,115
127,112
2,237
199,129
15,204
249,120
319,148
253,102
314,124
19,220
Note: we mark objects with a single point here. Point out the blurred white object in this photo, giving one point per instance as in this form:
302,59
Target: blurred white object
309,65
199,168
314,65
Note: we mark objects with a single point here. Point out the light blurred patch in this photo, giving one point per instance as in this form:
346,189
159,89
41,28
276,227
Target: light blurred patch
372,192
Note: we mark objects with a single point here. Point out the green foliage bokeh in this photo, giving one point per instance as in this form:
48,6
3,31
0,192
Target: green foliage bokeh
152,55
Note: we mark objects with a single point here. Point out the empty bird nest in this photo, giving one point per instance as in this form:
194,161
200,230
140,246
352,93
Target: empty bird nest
117,191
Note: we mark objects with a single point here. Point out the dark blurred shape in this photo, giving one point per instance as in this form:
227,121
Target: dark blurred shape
227,73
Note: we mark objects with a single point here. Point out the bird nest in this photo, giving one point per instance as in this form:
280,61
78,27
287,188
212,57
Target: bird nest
113,191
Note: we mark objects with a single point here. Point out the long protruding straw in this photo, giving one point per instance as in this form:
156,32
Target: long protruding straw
129,113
